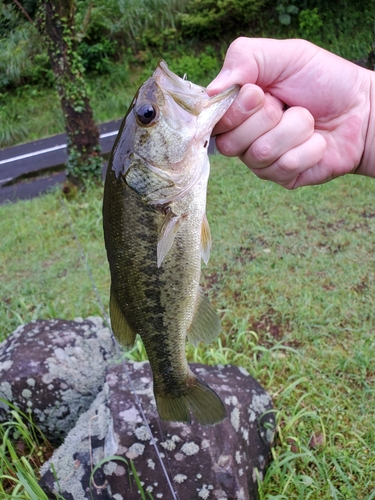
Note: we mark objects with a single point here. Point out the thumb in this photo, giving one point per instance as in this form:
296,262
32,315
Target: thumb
238,68
262,61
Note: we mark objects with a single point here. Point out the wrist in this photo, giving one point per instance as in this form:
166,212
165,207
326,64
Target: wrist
367,163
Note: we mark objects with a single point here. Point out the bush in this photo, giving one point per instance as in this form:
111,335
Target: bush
198,69
97,56
209,19
131,23
310,24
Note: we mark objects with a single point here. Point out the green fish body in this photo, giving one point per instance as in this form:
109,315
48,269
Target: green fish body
156,233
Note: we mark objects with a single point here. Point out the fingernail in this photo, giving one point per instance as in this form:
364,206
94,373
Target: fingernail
249,99
219,82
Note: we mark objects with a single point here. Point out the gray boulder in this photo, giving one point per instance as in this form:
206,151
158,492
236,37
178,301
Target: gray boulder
214,463
53,370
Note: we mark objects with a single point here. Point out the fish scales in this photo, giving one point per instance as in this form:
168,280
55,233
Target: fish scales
153,214
159,301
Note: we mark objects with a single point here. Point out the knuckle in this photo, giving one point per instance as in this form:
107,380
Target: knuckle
306,118
224,146
238,45
260,152
289,163
272,112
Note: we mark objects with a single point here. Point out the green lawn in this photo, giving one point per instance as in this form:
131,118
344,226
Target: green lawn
292,275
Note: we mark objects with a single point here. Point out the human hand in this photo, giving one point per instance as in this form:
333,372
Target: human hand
303,115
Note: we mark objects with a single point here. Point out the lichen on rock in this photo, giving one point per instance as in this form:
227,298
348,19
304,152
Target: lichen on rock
53,369
215,462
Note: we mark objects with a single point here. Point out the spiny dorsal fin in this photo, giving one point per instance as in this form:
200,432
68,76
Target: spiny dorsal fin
206,241
168,232
205,325
122,330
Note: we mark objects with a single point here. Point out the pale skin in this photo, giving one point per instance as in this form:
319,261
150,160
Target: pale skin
303,116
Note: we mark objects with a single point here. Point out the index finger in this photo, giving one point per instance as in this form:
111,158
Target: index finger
249,100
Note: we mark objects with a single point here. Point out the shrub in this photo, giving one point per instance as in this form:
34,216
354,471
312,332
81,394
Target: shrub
210,19
198,69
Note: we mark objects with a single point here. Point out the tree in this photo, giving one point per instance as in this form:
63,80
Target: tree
55,22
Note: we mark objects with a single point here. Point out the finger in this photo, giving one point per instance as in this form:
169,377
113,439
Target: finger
237,141
300,161
295,127
248,101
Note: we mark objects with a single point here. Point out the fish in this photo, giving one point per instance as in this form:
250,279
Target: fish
156,233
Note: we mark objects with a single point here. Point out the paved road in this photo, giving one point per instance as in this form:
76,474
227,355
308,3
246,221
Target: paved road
29,170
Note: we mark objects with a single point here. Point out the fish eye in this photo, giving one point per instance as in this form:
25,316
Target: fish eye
146,113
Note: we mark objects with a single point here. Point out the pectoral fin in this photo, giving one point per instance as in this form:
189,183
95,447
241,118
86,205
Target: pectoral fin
122,330
168,232
205,325
206,241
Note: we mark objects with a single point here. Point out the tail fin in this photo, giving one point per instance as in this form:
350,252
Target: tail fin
199,399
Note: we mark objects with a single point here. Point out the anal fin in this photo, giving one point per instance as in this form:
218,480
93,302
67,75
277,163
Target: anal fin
205,325
123,332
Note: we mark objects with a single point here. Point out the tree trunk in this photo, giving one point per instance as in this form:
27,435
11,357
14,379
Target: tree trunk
55,22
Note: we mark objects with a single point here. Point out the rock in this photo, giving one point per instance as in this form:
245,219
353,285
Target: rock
54,369
214,463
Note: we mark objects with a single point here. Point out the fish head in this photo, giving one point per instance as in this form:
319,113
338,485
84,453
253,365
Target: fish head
168,126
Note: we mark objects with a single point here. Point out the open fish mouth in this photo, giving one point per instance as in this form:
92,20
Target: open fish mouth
190,96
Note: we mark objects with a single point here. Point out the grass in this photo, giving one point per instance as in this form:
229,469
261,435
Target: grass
292,276
23,449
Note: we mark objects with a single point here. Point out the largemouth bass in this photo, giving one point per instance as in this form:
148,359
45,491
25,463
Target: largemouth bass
156,232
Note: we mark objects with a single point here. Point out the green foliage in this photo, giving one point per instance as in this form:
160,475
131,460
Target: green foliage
23,60
286,11
341,26
348,28
198,69
21,57
12,128
97,57
9,19
310,24
83,167
134,23
23,450
209,19
28,113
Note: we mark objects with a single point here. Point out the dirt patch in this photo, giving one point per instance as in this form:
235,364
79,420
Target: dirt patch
245,255
210,280
266,325
271,330
361,287
368,215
